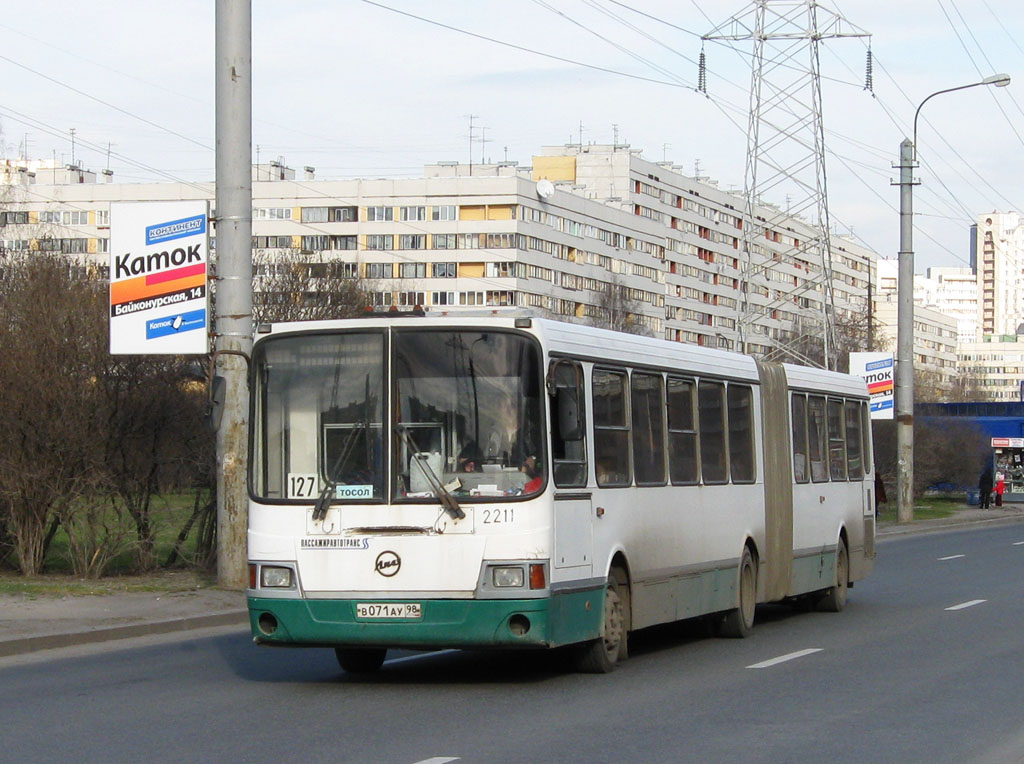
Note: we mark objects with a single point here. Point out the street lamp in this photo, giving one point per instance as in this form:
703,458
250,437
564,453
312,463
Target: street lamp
905,313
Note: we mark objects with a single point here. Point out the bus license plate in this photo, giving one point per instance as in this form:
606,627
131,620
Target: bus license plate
388,610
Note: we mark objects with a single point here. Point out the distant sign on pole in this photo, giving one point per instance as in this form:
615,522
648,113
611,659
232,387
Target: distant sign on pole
878,370
158,278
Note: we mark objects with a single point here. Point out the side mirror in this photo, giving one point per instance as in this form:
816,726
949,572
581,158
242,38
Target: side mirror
568,404
215,403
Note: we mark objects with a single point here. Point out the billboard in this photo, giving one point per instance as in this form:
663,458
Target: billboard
158,277
878,370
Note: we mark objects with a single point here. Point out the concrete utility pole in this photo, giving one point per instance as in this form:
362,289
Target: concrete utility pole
233,338
905,313
905,341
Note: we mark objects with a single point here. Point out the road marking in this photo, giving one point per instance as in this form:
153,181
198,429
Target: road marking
393,661
439,760
1018,543
784,658
969,603
952,557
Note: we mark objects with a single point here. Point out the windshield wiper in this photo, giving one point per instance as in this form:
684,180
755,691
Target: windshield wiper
451,506
323,502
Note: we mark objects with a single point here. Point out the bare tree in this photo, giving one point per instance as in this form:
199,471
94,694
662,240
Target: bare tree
300,287
51,326
615,309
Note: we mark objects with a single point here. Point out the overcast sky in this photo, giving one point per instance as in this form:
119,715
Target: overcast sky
355,89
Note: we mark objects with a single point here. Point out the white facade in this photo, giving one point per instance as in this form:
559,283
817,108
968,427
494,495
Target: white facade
708,281
952,292
612,221
994,367
999,248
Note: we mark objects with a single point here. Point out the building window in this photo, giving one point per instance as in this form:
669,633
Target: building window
412,270
444,212
379,271
344,214
314,214
444,240
380,241
380,213
412,241
412,213
443,270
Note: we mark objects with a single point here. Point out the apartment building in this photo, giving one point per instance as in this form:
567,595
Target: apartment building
714,294
559,237
998,253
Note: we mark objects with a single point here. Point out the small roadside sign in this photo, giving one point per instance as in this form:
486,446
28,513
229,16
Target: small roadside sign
878,370
159,253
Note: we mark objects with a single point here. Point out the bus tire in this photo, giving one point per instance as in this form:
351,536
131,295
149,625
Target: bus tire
738,622
601,655
360,660
833,599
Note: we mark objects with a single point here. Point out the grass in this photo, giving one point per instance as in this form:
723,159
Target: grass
60,585
169,514
927,508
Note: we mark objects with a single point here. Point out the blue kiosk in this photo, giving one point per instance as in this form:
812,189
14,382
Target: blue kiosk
1003,424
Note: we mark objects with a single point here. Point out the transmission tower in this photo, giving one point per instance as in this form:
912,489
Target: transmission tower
785,159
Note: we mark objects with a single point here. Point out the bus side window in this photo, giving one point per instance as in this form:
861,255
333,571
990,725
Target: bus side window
741,433
836,440
711,413
647,400
816,438
568,448
798,407
854,455
611,428
684,468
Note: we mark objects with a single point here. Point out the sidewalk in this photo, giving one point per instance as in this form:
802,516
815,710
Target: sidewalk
963,516
37,622
29,623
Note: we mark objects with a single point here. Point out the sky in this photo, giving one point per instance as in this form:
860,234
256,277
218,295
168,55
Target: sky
379,89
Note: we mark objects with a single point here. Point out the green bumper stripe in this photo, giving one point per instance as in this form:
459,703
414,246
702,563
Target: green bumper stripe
559,620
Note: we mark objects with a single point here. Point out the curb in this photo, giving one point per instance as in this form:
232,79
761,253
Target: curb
944,525
22,645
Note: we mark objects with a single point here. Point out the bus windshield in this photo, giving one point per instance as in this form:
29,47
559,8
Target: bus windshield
466,418
470,402
319,416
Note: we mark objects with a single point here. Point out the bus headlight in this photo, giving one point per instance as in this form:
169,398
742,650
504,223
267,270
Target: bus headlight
273,577
508,577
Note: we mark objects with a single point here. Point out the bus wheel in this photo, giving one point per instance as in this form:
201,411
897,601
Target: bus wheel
601,655
834,598
737,623
360,660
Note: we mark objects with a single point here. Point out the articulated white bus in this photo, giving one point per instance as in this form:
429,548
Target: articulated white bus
422,482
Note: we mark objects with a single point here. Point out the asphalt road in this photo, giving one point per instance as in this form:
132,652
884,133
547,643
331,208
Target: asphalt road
925,665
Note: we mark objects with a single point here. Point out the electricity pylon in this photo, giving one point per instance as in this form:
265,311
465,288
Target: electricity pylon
785,157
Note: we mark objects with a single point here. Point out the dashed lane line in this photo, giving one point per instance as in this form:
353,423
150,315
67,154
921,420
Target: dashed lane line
784,658
419,657
969,603
952,557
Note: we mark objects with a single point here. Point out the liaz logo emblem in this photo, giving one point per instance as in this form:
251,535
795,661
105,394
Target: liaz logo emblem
387,564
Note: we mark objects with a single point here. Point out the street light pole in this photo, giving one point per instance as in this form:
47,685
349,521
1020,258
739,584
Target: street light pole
905,313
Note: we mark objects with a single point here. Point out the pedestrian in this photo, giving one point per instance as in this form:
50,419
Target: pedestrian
880,497
985,488
1000,488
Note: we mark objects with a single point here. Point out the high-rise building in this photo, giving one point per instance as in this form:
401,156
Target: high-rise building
999,253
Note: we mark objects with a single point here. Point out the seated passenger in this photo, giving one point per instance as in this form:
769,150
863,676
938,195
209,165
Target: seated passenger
471,459
533,472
